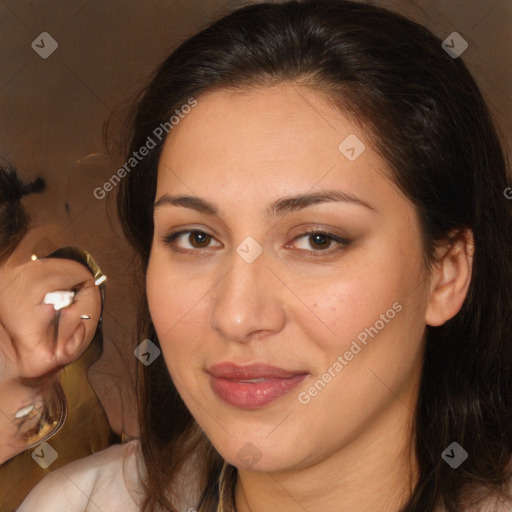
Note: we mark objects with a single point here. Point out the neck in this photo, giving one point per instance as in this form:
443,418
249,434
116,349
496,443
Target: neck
376,470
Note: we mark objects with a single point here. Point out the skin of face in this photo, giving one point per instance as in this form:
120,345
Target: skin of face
296,306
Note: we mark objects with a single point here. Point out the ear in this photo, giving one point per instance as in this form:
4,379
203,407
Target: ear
450,277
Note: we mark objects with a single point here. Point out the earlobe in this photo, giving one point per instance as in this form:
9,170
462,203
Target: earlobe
450,277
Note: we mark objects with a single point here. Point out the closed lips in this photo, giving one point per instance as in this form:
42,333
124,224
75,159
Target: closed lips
251,373
252,386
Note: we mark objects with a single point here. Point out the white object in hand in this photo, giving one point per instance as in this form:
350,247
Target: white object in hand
24,411
60,299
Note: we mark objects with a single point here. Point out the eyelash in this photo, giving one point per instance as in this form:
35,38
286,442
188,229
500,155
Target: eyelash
170,240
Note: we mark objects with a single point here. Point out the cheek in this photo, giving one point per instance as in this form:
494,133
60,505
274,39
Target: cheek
380,297
344,304
174,302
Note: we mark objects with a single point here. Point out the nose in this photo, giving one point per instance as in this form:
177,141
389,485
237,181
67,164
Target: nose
248,302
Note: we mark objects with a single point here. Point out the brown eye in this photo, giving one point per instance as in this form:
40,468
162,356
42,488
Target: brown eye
190,240
320,241
199,240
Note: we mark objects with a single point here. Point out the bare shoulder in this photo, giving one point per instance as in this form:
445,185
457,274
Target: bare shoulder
107,481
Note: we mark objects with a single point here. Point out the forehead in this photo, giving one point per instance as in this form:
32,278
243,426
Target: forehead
252,142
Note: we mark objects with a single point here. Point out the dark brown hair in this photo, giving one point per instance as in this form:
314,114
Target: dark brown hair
14,220
425,115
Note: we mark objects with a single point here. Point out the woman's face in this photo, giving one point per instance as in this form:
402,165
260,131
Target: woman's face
287,346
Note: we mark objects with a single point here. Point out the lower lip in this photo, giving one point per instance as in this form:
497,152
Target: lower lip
252,395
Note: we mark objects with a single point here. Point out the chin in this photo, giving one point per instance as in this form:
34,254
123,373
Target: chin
261,454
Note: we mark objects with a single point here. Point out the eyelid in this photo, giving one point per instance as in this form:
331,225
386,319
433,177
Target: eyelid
339,241
171,237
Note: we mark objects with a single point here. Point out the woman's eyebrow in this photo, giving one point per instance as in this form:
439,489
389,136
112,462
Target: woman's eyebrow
298,202
279,207
193,202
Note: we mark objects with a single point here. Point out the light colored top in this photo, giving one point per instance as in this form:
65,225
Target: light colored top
107,481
